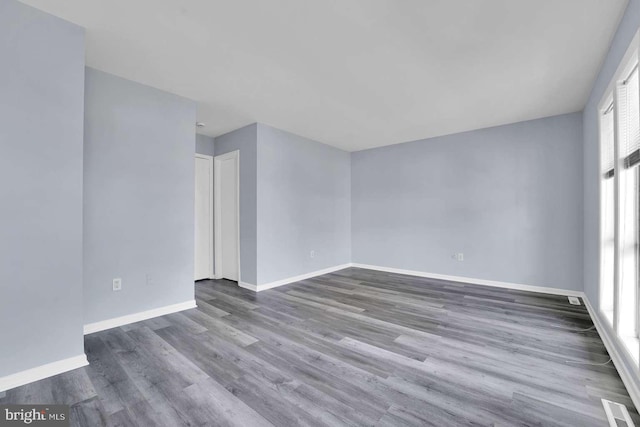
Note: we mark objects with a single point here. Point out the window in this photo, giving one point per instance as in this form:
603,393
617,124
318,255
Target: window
607,211
619,125
628,140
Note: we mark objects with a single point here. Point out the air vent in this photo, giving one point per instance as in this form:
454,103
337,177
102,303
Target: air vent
617,414
574,300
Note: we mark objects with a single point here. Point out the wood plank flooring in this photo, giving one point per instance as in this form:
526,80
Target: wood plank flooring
355,347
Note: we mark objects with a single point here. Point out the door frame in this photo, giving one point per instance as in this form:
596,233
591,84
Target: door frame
217,215
211,267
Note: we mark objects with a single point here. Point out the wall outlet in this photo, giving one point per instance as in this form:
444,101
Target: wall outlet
149,280
458,256
312,254
117,284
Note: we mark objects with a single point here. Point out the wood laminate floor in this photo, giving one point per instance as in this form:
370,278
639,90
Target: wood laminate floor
355,347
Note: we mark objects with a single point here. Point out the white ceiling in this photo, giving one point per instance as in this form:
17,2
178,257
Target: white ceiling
355,74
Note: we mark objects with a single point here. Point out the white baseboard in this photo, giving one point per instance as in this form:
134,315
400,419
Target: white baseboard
249,286
473,281
137,317
494,283
42,372
618,356
288,280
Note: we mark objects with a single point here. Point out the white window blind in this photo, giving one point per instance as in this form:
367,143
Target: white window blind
607,141
629,119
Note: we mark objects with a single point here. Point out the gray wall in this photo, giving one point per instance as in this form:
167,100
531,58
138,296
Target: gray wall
138,197
245,140
304,199
508,197
204,145
624,35
41,109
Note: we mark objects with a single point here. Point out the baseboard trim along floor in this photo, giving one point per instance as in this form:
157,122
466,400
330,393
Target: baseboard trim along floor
618,356
461,279
137,317
473,281
294,279
42,372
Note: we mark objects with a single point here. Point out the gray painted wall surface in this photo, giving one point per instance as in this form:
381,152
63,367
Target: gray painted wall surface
245,139
508,197
204,145
138,197
626,30
304,204
41,109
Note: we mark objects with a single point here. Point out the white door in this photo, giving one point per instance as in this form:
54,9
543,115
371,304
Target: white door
227,216
204,218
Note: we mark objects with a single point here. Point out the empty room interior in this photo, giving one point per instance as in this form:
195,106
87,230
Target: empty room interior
309,213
